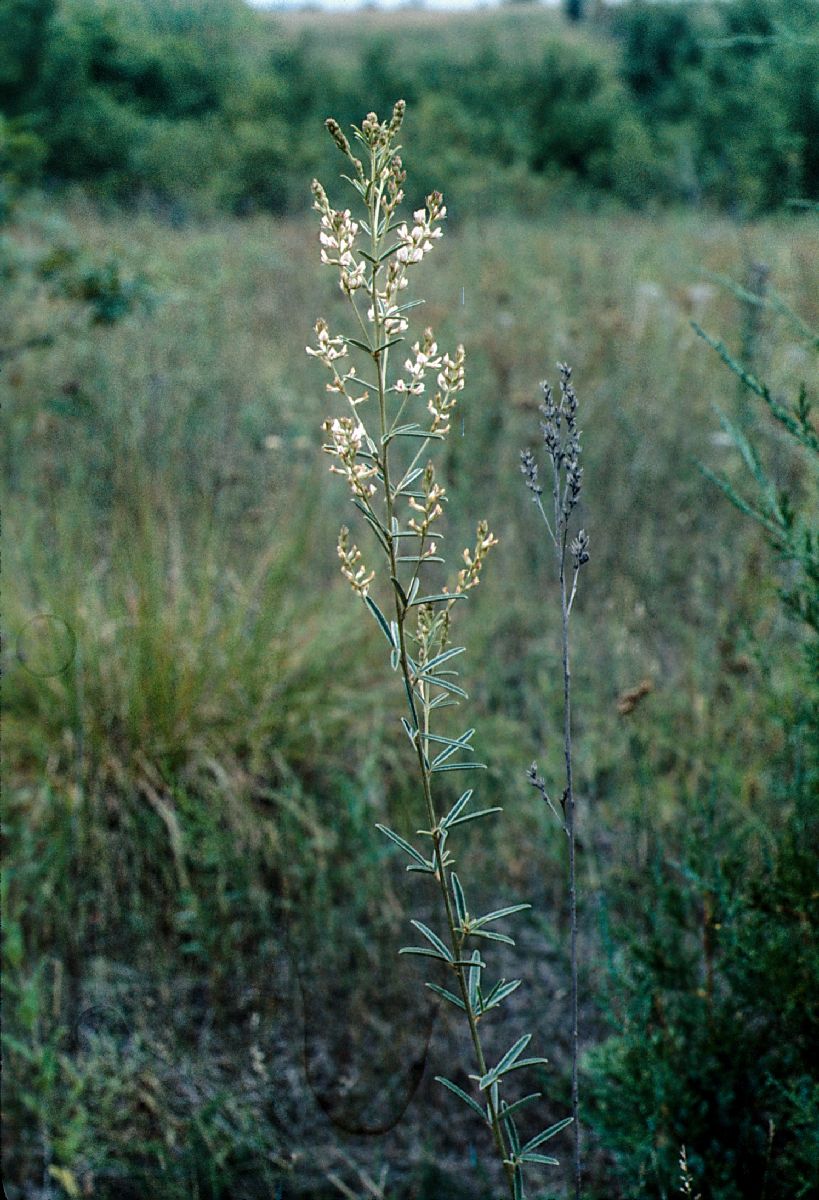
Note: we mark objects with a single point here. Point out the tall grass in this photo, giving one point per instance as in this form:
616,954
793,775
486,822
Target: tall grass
170,797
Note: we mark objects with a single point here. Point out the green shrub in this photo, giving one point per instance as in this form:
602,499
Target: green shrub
714,995
192,100
714,1002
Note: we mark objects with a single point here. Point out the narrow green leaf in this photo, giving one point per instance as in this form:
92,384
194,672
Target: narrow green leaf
540,1158
458,766
360,345
524,1100
439,991
473,978
458,894
527,1062
517,1184
422,951
381,619
447,686
492,936
409,731
447,753
511,1128
398,431
410,303
461,1094
457,808
432,938
438,597
402,595
407,432
483,812
406,482
405,846
427,869
365,383
499,993
373,522
506,1063
501,912
442,658
456,743
546,1134
451,749
416,558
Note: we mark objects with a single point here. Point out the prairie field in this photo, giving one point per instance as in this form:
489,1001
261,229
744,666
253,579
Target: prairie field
203,995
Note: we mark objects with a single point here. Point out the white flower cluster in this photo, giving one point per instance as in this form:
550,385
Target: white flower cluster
392,320
337,235
426,356
417,241
413,244
469,576
329,348
352,567
329,351
386,298
381,276
450,381
347,440
432,506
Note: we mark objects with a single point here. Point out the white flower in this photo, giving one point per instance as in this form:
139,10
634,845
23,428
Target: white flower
329,348
393,321
416,242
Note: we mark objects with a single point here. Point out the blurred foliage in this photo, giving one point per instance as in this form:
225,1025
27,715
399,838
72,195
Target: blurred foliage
206,104
101,285
713,996
714,988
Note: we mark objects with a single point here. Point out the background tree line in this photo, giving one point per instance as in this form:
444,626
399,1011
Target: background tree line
208,104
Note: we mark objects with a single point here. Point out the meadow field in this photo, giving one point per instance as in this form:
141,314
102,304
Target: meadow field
202,992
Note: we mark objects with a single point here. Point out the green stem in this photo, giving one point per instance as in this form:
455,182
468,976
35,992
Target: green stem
456,939
560,538
570,824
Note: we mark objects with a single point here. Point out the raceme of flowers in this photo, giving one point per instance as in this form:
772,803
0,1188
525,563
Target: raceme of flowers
400,403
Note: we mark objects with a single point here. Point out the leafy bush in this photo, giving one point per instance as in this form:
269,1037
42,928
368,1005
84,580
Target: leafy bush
210,104
715,993
716,1012
106,287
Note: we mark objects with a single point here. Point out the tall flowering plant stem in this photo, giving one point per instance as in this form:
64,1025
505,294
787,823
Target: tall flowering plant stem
561,440
396,414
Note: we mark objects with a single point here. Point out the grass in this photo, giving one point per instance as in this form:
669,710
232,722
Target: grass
196,767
